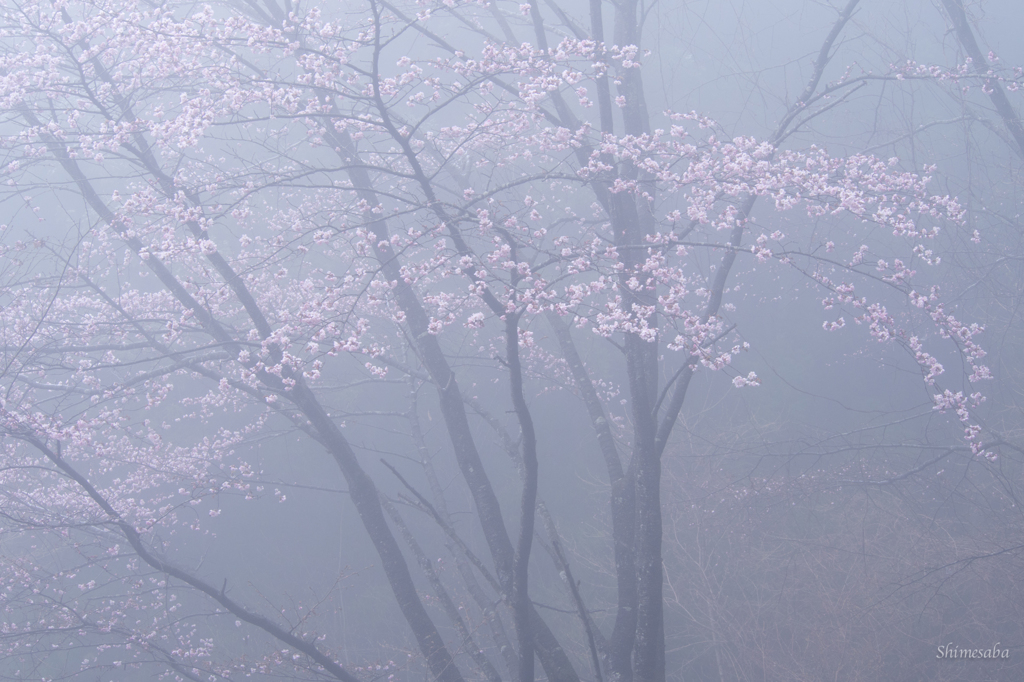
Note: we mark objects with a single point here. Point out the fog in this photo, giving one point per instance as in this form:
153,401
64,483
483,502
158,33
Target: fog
604,342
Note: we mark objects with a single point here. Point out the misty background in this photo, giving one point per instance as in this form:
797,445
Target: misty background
825,522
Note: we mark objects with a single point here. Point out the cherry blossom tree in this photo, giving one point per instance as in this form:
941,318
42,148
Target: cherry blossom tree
237,219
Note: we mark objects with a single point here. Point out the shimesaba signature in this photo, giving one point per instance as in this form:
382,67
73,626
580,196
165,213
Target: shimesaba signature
950,651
